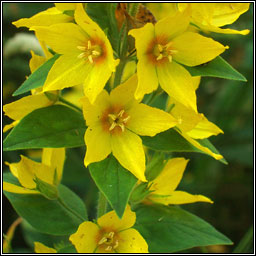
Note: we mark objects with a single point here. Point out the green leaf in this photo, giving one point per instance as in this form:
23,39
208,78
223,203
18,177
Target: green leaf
171,229
172,141
216,68
114,181
37,78
56,126
68,249
55,217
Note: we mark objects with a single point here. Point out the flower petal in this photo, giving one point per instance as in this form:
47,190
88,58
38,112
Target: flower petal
224,30
96,79
147,121
46,18
173,25
200,147
36,61
67,71
97,144
147,78
63,38
92,113
85,237
8,187
128,150
124,93
65,6
194,49
181,197
204,129
131,241
18,109
170,177
55,158
110,219
41,248
177,82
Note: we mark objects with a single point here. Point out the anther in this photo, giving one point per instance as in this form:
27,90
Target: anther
89,45
159,57
160,47
109,248
90,58
113,125
82,48
122,127
126,119
95,53
170,58
111,234
81,55
113,117
103,240
116,244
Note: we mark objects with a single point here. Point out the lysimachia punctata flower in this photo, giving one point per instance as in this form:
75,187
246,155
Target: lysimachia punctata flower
110,235
162,48
193,125
18,109
49,17
86,55
49,171
165,184
41,248
212,16
114,123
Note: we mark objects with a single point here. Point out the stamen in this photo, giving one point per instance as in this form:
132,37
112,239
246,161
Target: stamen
122,127
95,53
113,125
160,47
111,234
89,45
116,244
121,113
126,119
160,56
90,58
81,55
170,58
112,116
103,240
82,48
109,248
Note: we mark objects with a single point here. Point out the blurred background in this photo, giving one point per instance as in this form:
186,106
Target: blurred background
227,103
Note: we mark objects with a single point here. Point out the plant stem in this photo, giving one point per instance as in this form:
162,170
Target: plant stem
102,205
69,104
246,244
119,72
70,210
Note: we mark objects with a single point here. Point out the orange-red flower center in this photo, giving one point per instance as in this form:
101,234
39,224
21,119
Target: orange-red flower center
108,240
114,120
94,51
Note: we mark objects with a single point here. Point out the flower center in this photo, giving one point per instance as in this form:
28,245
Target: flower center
162,52
119,119
90,51
109,241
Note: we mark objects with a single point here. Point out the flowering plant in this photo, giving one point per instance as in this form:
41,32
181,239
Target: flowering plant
134,80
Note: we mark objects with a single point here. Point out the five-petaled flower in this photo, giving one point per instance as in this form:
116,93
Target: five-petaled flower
162,48
110,235
115,121
86,54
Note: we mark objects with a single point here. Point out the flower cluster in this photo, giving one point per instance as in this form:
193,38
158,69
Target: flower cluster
118,89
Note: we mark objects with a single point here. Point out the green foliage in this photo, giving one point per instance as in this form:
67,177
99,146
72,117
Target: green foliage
44,215
171,229
114,181
217,68
54,126
37,78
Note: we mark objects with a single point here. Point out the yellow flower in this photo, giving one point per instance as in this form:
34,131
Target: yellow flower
193,125
165,184
49,171
86,55
49,17
162,47
20,108
109,235
114,122
212,16
41,248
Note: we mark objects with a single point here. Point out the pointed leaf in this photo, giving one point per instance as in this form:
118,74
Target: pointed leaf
114,181
56,126
171,229
49,216
37,78
172,141
216,68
